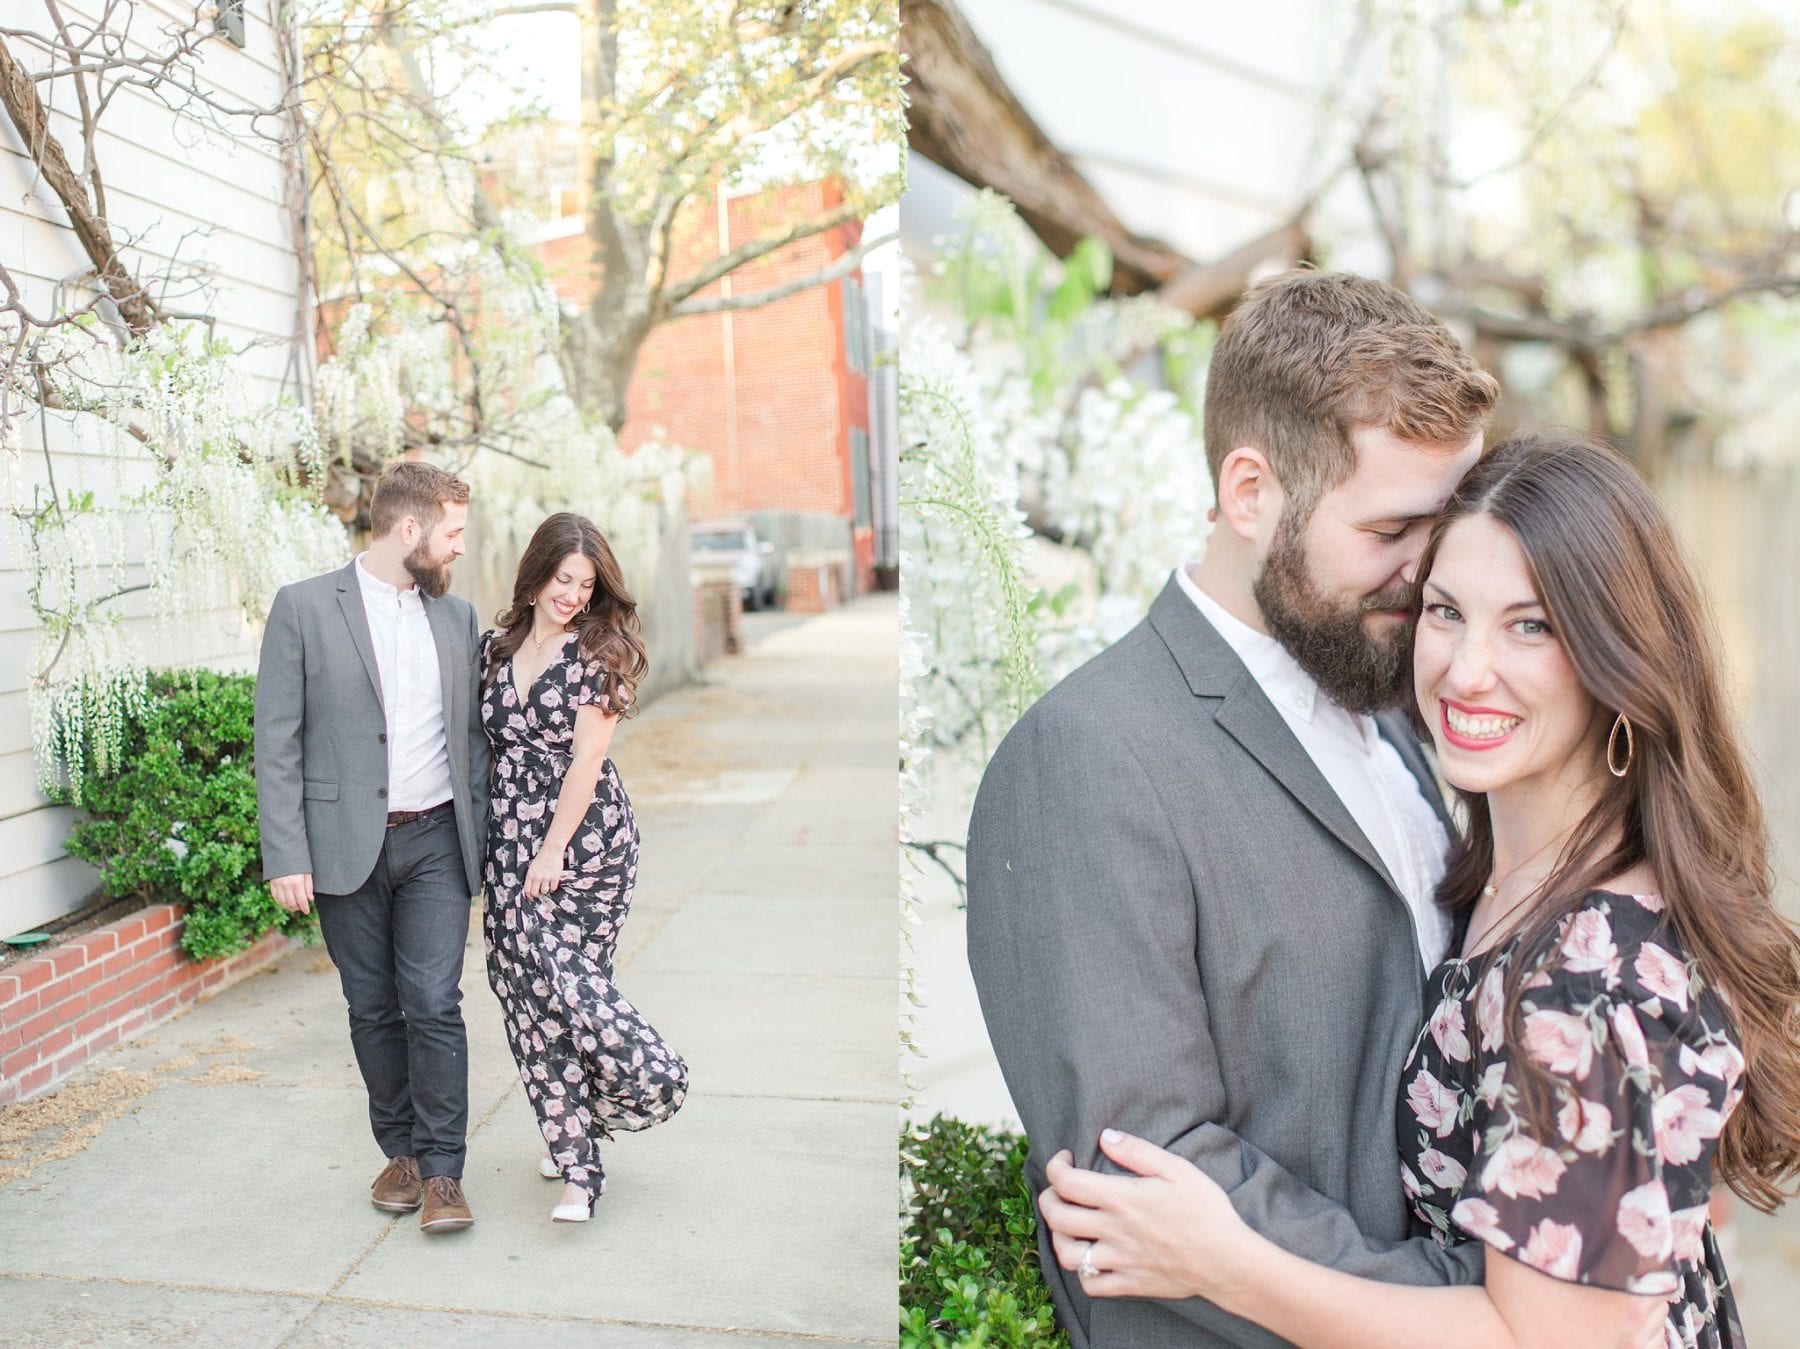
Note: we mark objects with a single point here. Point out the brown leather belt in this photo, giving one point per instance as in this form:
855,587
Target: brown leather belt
408,816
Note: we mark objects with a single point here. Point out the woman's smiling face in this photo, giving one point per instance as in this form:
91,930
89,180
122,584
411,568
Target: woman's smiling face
569,588
1503,701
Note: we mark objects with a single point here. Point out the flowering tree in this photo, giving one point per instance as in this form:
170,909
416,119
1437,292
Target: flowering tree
1604,194
677,98
225,495
471,349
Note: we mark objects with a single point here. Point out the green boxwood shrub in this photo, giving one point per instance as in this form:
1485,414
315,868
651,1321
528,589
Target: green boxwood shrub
968,1242
176,823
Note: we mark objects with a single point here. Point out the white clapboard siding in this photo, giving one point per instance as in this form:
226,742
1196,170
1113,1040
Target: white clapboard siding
249,74
18,789
176,188
216,201
36,837
34,897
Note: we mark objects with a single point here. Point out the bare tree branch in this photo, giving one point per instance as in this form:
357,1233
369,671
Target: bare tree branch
1389,218
935,849
842,214
963,118
1550,123
1582,335
20,97
843,265
486,217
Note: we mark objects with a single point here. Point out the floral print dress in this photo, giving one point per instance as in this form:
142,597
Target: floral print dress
1646,1071
590,1062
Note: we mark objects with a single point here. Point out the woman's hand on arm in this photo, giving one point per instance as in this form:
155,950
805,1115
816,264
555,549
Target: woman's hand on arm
1168,1231
593,737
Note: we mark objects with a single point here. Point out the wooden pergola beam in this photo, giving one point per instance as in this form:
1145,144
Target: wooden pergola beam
1211,289
964,118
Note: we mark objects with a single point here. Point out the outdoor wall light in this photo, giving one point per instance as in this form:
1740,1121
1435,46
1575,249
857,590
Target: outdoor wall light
230,22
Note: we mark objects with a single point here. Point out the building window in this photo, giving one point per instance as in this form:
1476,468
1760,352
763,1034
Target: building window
859,473
856,326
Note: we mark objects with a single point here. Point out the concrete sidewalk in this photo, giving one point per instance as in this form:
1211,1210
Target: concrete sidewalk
209,1184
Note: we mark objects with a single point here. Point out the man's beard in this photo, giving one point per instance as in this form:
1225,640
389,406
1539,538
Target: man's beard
1355,668
433,577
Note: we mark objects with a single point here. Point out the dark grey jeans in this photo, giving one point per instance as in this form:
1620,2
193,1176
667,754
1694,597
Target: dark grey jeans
398,946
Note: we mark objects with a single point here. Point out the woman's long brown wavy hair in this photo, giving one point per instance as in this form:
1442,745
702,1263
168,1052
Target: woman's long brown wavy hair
609,627
1624,604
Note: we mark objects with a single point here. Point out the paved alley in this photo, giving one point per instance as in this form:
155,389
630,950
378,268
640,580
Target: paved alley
208,1184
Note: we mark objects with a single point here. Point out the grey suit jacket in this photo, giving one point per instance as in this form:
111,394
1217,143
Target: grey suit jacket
321,733
1177,929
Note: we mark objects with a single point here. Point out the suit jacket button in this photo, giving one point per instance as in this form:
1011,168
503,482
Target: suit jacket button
382,737
381,791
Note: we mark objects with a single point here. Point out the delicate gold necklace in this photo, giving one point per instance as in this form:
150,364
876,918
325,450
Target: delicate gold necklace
1492,891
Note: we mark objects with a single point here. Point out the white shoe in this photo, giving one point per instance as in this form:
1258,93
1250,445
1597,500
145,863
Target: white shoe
576,1213
547,1168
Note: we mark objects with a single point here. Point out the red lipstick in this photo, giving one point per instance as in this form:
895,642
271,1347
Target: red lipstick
1463,741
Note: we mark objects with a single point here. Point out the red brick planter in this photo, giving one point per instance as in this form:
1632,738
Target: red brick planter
59,1009
718,614
817,580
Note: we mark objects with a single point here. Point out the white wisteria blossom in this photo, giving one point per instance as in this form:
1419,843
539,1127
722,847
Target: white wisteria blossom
915,719
191,502
576,465
1050,478
211,499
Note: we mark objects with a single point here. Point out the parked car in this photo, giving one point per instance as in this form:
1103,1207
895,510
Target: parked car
752,559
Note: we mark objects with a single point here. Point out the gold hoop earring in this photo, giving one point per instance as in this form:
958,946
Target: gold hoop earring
1619,770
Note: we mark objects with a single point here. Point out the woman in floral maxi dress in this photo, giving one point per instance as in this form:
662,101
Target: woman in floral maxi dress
1618,1029
562,856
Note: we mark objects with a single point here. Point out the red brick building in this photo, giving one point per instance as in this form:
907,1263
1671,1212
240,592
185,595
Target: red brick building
777,395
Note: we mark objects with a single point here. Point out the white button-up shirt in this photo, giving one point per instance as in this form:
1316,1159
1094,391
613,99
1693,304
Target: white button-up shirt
411,694
1366,772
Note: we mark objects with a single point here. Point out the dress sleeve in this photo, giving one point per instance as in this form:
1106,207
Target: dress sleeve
595,686
1613,1193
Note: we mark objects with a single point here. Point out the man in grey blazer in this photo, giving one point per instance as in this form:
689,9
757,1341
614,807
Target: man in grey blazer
371,788
1201,867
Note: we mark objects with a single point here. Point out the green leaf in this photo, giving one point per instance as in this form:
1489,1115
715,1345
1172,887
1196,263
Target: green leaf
1087,272
176,822
968,1244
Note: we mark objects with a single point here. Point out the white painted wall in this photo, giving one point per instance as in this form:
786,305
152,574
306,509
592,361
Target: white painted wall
178,189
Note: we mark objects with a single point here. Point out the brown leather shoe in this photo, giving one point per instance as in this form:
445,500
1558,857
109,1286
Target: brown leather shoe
445,1208
398,1188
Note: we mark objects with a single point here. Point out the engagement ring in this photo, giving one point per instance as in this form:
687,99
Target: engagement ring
1086,1268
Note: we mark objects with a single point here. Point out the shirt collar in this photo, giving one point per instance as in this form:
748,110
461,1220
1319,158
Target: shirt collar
379,589
1286,684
